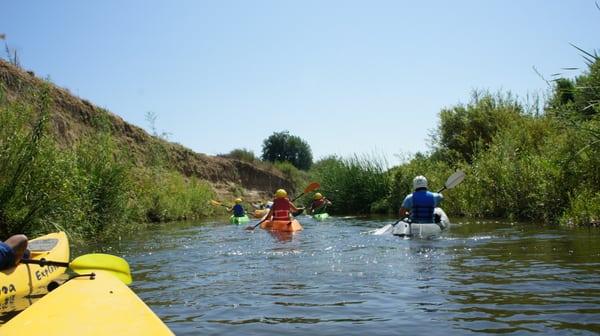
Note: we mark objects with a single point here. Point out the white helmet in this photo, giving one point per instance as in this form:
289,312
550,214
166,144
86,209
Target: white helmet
269,204
419,182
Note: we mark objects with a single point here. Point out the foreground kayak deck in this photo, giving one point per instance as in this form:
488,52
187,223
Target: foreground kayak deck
28,279
284,225
84,306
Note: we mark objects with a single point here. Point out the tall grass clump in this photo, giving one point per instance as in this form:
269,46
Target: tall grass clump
92,190
162,195
105,184
38,191
358,184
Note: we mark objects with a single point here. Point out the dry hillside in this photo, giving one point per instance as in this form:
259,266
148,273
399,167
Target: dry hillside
73,117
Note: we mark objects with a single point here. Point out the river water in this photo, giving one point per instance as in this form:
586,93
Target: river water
336,278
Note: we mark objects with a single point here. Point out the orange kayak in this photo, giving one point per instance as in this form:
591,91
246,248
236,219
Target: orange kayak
281,225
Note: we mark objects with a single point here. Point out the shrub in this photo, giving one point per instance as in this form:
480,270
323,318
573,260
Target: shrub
353,184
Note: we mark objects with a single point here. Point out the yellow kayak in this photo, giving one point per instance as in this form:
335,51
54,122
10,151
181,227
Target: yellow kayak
85,305
259,213
26,280
281,225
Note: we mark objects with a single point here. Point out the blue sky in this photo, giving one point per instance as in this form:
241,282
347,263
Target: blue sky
346,76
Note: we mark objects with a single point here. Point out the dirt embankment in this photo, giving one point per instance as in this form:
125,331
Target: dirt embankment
73,118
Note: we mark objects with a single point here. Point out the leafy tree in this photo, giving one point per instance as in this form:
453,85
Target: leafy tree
281,147
465,130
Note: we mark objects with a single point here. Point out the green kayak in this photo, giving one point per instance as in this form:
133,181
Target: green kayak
321,216
239,220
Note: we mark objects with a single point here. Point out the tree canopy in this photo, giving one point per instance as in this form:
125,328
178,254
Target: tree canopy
282,147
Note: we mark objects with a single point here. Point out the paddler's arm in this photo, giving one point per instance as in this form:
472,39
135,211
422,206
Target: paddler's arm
406,206
269,214
293,207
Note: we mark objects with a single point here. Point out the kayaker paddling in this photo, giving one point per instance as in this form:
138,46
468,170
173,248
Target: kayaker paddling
319,204
282,207
420,205
237,209
426,219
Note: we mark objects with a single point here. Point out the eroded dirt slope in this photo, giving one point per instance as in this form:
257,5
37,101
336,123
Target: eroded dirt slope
73,117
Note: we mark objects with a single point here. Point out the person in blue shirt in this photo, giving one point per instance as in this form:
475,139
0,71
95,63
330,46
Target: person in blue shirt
421,204
12,251
238,209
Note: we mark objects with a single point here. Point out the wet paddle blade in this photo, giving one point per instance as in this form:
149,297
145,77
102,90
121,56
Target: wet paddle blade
383,230
88,263
455,179
213,202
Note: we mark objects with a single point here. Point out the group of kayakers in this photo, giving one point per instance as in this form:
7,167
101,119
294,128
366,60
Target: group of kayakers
419,206
281,207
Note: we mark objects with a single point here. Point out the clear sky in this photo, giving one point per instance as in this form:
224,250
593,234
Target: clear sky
346,76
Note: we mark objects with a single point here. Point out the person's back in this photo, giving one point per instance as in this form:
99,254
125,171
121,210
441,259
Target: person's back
421,202
280,210
238,209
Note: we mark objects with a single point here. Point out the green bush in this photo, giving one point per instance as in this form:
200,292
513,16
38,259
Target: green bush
465,130
163,195
584,208
299,178
241,154
89,191
354,184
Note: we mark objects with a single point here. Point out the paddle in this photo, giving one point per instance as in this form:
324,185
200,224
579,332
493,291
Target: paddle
91,262
213,202
312,186
452,181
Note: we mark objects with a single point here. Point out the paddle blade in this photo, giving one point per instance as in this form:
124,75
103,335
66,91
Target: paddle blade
88,263
455,179
213,202
384,230
311,187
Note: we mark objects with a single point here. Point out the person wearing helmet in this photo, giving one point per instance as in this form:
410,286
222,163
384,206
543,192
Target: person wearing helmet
282,207
421,203
319,204
237,209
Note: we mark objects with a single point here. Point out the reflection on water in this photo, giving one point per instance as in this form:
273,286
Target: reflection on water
335,278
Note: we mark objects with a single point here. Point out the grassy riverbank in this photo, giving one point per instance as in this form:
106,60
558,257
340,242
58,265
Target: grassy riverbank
90,190
522,162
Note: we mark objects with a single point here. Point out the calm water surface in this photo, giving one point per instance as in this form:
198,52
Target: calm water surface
336,278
